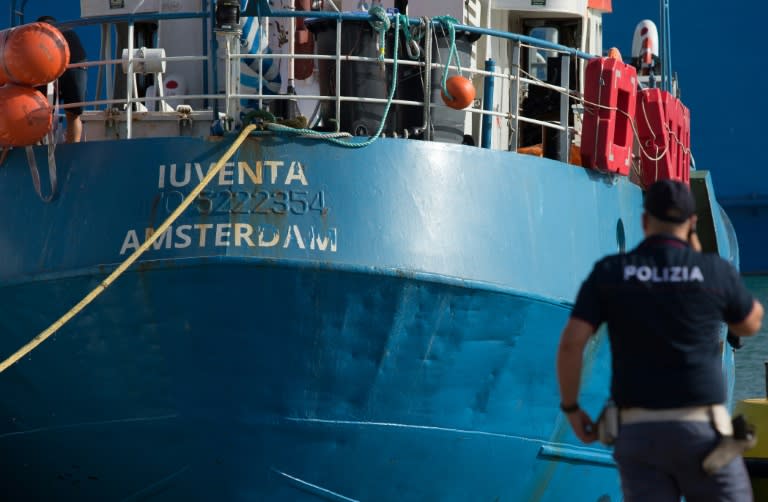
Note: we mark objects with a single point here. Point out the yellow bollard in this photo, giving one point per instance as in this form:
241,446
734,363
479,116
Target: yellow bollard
756,412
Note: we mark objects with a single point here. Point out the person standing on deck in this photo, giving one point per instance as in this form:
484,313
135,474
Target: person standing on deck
72,83
664,304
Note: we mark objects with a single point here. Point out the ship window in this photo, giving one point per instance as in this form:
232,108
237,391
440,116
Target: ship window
537,58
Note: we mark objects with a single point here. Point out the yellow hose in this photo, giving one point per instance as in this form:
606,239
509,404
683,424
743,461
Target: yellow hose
53,328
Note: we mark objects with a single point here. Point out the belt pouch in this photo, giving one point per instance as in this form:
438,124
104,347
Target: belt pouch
608,424
740,438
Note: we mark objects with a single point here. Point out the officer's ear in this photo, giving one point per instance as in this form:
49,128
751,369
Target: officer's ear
693,219
693,237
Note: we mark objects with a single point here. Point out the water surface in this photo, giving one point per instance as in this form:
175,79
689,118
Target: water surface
750,368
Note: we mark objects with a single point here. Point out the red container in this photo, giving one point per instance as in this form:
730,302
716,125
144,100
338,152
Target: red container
610,92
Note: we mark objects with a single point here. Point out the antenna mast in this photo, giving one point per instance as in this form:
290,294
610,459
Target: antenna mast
666,48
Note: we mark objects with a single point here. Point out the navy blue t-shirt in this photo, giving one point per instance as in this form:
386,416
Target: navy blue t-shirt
664,305
76,50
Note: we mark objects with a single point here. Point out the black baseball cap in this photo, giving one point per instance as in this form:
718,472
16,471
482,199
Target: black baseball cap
669,200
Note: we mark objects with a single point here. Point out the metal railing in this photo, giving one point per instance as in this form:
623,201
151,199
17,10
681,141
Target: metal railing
519,81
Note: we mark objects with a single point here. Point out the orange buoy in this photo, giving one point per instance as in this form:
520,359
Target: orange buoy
462,91
25,115
614,53
32,54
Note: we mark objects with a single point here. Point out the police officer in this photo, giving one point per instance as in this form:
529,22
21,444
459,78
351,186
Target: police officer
664,304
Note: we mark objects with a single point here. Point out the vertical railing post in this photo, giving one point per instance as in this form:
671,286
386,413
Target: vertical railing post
227,78
514,97
233,89
215,66
488,95
205,27
129,84
109,70
338,72
565,102
428,80
263,25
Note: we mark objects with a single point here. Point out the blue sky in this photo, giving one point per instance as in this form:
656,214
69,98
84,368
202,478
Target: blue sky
716,55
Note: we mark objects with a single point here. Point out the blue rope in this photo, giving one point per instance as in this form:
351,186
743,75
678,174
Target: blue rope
448,22
376,12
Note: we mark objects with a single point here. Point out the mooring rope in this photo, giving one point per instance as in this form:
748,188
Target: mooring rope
53,328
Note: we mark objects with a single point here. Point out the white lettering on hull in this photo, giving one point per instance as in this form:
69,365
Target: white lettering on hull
278,172
236,235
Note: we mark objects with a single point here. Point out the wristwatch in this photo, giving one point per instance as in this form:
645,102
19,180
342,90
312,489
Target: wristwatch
570,408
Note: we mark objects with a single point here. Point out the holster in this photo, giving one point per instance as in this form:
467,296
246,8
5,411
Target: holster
736,437
608,424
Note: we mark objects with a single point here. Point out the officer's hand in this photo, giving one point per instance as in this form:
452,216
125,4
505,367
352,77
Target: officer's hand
734,341
583,426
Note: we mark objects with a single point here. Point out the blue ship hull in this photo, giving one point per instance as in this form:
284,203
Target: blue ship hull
321,327
375,388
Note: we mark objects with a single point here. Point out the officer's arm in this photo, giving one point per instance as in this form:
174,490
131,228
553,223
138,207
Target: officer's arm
751,324
570,358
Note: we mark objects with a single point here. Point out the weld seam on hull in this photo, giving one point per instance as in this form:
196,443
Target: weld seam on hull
427,277
419,427
315,489
155,487
87,424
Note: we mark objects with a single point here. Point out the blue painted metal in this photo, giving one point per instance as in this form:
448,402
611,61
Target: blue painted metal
17,12
257,8
347,16
323,323
490,66
207,30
